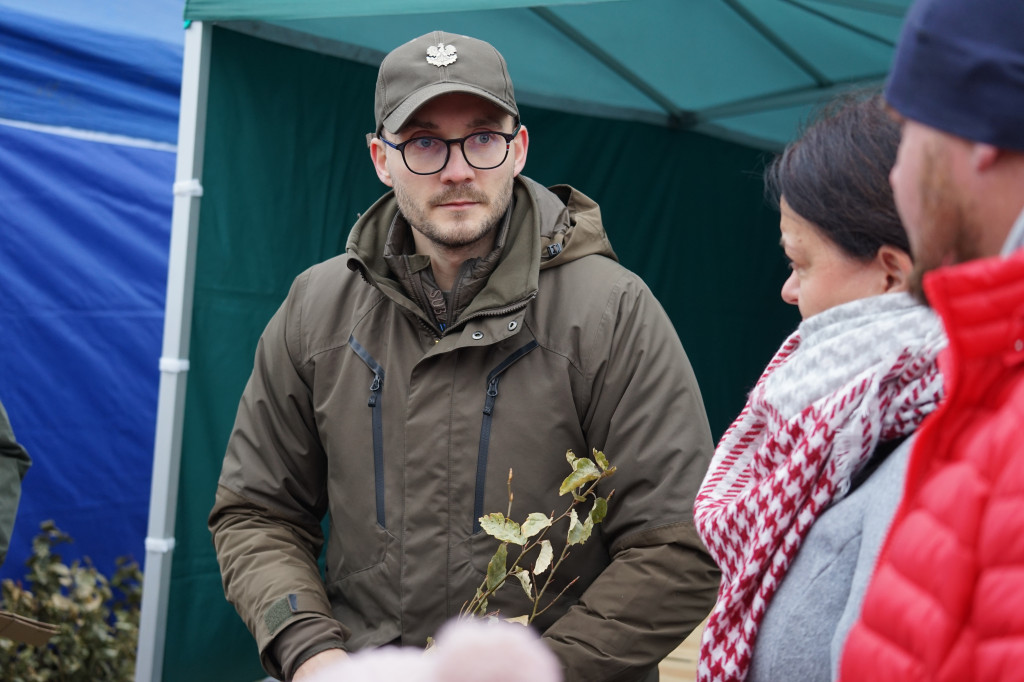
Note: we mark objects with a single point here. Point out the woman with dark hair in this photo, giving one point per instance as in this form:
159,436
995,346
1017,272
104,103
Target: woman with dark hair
804,483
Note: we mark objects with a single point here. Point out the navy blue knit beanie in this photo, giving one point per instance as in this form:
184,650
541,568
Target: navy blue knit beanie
959,67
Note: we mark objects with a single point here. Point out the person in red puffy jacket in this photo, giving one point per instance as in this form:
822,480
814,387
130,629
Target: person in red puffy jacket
946,600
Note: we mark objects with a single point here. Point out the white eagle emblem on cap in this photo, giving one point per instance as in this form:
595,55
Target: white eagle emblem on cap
441,55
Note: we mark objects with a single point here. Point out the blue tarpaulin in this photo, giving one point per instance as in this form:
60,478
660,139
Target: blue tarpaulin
84,77
88,121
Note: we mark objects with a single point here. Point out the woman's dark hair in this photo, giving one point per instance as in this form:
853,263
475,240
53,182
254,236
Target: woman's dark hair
836,175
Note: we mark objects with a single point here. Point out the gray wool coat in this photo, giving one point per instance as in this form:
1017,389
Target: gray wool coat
806,624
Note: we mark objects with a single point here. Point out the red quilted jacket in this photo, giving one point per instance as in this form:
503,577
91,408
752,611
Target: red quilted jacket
946,601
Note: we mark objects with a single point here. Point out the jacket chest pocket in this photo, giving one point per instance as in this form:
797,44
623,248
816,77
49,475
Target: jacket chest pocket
490,401
375,404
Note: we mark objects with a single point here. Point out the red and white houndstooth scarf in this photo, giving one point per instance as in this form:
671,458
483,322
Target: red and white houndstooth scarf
845,380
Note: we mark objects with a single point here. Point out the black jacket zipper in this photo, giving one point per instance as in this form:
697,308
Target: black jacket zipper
485,428
377,421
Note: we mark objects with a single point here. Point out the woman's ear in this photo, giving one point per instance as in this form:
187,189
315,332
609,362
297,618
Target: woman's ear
896,265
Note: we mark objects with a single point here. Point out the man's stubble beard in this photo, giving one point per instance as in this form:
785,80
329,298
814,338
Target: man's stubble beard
465,234
944,236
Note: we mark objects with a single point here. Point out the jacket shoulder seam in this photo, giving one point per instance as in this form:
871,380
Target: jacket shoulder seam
309,352
543,345
313,354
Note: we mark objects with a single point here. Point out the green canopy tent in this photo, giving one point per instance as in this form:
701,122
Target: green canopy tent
663,110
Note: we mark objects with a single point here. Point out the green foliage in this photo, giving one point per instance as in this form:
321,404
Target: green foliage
98,618
530,536
505,530
496,568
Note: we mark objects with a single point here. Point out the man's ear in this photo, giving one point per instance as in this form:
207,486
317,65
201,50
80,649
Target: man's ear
379,157
896,266
520,146
983,156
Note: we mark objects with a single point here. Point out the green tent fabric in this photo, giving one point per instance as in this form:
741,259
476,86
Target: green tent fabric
319,9
746,70
286,172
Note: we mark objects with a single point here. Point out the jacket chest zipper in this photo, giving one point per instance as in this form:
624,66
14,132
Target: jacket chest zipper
378,445
377,424
485,429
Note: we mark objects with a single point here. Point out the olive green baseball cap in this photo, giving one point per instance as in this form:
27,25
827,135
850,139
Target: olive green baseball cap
439,63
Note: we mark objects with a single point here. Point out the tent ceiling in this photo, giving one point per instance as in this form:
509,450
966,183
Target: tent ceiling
748,70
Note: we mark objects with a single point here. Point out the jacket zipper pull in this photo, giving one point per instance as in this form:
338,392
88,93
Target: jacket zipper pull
488,405
374,391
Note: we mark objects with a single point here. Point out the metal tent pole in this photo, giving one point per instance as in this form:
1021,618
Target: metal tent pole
174,356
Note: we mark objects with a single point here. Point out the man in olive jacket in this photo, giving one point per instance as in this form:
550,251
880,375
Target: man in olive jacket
477,323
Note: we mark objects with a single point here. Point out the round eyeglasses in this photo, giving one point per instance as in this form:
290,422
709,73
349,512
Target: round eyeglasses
429,155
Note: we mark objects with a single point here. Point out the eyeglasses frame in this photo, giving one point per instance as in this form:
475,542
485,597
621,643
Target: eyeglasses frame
509,137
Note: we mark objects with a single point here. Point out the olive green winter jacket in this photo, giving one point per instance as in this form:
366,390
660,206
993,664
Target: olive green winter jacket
359,408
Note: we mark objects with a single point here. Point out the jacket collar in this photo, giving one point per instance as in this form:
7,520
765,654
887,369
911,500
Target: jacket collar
1015,239
981,303
539,219
417,279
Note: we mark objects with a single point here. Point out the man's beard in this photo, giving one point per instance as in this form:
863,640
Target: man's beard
464,233
944,236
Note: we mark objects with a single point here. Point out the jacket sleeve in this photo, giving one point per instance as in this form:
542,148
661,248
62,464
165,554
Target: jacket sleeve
14,463
646,414
270,501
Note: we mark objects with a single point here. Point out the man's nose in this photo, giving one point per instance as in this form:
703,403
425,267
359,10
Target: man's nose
457,169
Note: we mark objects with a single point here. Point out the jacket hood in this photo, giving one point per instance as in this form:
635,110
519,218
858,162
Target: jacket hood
571,226
566,222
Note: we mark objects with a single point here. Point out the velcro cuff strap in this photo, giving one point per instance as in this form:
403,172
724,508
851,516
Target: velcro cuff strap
282,610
